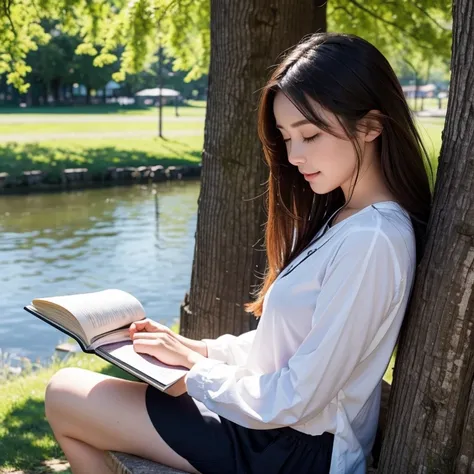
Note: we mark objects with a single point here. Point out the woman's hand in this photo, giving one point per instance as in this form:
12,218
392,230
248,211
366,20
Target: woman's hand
148,325
163,345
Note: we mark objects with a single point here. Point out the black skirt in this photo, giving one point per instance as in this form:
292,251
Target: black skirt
215,445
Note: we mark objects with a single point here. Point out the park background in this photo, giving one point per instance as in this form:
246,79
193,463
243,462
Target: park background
72,106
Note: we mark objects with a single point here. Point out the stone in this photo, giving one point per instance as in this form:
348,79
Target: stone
121,463
73,175
158,173
3,179
30,178
174,172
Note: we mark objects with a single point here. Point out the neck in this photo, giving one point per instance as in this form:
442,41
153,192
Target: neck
370,186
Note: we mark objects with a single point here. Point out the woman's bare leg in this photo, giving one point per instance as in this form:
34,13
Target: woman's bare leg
91,413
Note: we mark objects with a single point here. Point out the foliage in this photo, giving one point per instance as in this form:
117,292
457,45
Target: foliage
414,34
139,27
420,29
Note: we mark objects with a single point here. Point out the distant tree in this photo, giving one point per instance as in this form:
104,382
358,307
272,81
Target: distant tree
103,26
51,65
396,27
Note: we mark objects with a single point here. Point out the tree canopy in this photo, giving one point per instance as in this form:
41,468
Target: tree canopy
131,32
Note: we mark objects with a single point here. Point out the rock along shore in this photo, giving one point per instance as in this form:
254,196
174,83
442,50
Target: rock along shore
77,178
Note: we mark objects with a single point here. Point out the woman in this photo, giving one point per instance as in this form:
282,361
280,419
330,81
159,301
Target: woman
348,203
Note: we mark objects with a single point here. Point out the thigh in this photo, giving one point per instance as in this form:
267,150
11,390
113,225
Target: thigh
107,413
193,431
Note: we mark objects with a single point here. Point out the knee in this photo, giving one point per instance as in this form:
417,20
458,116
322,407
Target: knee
58,392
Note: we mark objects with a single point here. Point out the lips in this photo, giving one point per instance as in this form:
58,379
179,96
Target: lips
310,175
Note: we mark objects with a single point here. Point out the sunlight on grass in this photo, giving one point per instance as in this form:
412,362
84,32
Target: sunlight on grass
98,127
98,155
26,439
195,108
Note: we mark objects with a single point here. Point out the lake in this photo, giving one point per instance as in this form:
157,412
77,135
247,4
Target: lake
138,239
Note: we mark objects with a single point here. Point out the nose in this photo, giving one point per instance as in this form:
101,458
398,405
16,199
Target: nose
295,155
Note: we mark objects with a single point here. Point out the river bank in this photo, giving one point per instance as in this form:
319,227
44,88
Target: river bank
83,178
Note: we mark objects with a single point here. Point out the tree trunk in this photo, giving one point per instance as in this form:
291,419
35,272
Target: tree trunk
431,416
246,39
56,86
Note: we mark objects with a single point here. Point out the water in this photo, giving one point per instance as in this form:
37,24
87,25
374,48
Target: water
82,241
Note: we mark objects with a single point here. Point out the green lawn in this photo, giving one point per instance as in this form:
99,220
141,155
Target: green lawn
128,143
97,155
429,103
111,142
26,440
97,127
431,128
195,107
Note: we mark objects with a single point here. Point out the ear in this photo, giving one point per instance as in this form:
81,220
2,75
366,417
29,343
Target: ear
371,125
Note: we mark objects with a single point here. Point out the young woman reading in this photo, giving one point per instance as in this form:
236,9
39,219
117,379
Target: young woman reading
348,204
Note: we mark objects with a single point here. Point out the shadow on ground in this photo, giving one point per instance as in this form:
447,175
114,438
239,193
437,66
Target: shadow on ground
29,446
79,109
14,158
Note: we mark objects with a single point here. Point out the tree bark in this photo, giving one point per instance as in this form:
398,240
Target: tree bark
431,416
246,39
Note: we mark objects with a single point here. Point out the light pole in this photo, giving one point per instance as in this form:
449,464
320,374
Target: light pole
160,90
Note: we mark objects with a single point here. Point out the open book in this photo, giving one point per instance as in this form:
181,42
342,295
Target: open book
99,322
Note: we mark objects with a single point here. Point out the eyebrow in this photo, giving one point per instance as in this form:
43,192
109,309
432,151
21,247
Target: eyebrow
296,124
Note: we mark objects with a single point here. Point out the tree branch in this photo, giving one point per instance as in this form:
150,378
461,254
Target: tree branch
388,22
431,18
344,9
168,7
6,9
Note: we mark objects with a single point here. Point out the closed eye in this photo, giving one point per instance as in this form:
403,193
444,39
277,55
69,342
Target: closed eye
306,140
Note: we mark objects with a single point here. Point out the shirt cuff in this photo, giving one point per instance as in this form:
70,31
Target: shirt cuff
216,349
197,377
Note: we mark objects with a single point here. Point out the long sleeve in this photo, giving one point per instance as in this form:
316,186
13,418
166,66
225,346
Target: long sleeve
232,350
356,294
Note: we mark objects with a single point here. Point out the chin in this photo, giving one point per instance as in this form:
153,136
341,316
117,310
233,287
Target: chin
318,189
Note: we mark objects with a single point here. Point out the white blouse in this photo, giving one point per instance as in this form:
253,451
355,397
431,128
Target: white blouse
329,325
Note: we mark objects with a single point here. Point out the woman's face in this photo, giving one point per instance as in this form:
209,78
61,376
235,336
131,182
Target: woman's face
327,162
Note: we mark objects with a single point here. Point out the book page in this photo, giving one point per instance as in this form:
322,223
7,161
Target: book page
97,312
149,365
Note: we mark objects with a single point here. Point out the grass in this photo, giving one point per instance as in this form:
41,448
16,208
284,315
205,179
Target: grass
97,127
428,103
53,153
98,155
195,107
26,440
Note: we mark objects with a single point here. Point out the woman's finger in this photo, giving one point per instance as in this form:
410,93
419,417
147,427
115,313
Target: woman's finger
138,325
147,335
148,325
144,346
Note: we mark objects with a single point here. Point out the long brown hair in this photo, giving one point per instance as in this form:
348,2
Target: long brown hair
349,77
